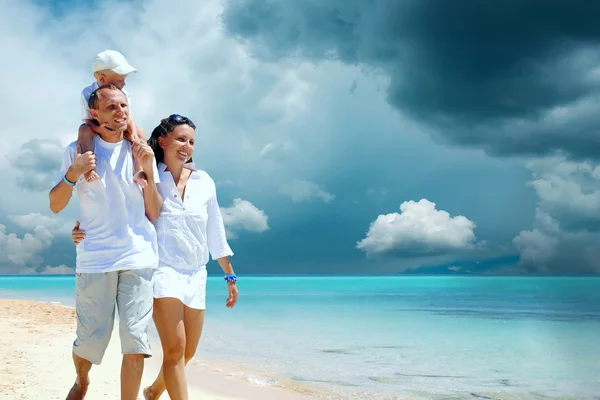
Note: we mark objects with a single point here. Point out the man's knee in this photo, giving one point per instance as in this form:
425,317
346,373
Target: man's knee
82,366
133,363
91,345
134,358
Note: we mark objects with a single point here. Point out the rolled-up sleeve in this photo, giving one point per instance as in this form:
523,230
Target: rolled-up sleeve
217,238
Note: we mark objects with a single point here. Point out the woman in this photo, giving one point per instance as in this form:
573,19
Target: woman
189,227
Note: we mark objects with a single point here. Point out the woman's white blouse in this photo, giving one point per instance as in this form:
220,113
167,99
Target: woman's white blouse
189,229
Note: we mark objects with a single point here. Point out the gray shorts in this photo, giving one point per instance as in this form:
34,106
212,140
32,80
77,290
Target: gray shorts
95,298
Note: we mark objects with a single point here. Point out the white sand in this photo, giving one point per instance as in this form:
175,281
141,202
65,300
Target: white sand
36,364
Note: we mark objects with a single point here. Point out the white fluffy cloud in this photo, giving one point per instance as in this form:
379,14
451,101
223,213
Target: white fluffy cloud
243,215
16,252
302,190
33,220
567,189
566,230
22,254
419,230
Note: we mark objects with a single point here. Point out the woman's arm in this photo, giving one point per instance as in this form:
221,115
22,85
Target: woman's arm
219,248
231,283
226,266
216,235
152,201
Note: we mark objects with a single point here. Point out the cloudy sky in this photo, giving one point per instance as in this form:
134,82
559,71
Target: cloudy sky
345,136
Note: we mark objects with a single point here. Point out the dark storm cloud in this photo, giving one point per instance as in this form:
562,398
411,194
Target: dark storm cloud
512,77
39,162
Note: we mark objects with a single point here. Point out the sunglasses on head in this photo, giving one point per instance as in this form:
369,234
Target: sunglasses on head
180,119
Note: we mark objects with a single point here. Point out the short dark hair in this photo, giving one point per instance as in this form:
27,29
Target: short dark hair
166,126
95,96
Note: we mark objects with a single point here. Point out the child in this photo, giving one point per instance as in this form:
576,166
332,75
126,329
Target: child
109,67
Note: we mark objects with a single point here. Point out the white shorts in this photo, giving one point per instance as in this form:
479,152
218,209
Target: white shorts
187,286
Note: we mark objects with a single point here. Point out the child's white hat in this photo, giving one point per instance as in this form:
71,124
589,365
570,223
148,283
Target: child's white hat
114,61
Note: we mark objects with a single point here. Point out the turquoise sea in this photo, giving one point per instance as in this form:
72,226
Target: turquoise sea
400,337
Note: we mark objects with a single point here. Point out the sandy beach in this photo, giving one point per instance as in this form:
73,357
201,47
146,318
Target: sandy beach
36,364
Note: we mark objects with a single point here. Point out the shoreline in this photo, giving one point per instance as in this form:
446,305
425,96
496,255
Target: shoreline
236,358
36,363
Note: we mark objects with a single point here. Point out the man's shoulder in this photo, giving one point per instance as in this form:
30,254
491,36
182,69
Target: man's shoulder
70,151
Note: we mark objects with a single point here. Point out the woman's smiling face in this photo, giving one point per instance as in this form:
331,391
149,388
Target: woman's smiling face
178,145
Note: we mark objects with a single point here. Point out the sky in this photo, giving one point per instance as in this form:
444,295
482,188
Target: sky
344,137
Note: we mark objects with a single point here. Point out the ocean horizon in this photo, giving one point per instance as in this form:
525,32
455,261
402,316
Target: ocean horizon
400,274
394,336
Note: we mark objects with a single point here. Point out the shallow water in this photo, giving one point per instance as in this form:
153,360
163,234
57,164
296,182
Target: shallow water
383,337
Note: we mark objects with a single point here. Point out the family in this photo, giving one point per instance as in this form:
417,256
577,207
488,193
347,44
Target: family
149,221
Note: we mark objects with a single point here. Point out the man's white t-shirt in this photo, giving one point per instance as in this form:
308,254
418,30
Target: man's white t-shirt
85,96
119,236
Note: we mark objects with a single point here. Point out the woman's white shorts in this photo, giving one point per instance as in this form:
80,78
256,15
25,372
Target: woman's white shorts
187,286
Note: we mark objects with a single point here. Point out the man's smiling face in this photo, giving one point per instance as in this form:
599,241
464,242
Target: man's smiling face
112,110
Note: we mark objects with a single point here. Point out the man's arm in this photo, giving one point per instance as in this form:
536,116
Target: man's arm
72,167
61,194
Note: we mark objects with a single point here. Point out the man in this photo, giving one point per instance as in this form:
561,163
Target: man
116,261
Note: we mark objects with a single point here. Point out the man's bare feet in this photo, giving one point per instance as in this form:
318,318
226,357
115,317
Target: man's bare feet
140,178
148,395
78,390
91,176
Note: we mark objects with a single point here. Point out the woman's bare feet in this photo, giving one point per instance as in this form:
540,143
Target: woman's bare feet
149,395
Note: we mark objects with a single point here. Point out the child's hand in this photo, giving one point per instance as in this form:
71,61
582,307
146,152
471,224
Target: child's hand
99,129
132,135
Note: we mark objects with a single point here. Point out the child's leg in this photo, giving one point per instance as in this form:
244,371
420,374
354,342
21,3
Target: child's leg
136,135
85,142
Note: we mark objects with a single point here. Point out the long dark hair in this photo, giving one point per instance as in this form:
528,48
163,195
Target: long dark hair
166,126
